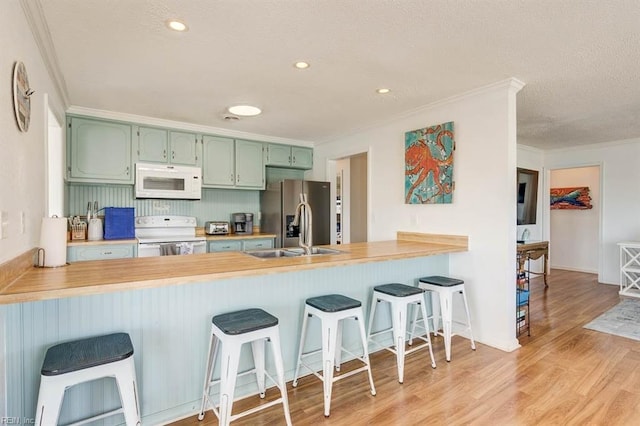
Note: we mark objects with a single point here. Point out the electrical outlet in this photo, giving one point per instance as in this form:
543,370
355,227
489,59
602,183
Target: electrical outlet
160,206
4,224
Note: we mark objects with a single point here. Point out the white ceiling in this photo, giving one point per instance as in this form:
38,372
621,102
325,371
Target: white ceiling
580,60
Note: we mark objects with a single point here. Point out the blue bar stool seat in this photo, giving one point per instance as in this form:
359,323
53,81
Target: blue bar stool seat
400,297
229,332
442,290
331,310
71,363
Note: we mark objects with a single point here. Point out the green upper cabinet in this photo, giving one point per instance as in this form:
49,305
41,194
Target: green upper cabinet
184,148
98,151
297,157
153,144
229,163
167,146
218,161
249,164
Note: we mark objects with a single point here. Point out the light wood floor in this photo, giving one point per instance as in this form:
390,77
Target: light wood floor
563,375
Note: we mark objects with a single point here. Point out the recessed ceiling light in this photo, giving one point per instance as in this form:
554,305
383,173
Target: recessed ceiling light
301,65
176,25
383,91
244,110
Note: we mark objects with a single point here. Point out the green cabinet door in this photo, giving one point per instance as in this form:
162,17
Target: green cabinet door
184,148
153,144
297,157
257,244
101,252
99,151
224,245
218,159
278,155
301,158
249,164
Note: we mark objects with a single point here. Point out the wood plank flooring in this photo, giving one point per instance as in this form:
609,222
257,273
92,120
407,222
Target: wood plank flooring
563,375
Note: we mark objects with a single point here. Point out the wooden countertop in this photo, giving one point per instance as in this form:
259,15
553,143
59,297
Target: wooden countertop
104,276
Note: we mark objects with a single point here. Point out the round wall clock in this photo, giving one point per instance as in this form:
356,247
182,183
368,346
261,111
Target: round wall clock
21,96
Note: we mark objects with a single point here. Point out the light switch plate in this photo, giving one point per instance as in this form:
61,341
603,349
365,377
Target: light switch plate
4,224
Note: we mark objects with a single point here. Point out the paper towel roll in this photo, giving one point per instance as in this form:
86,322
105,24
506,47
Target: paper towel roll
53,240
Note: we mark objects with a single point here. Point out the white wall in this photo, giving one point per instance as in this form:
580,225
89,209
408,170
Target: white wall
22,163
620,209
484,200
574,233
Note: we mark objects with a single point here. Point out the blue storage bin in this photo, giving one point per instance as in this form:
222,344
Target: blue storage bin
522,297
119,223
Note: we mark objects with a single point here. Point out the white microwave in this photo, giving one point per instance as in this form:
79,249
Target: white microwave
167,181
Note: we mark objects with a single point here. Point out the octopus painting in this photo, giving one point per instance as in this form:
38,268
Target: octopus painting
429,165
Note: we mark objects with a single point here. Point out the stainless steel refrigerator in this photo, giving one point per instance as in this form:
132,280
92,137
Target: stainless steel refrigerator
278,204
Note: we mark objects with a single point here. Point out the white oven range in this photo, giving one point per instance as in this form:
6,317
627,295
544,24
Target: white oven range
168,235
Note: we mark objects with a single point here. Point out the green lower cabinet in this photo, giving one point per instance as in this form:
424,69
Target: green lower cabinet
225,245
257,244
239,245
101,252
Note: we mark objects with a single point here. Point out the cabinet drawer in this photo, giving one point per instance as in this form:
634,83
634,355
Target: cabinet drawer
216,246
111,251
257,244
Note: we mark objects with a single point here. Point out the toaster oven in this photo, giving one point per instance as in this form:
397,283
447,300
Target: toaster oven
216,228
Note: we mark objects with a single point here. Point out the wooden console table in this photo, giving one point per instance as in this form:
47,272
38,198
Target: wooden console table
534,250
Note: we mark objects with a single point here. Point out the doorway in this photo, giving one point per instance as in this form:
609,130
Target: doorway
351,199
574,234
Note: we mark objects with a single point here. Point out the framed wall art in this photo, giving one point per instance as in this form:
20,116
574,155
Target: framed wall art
429,165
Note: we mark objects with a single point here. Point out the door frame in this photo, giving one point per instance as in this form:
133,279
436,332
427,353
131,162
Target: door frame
330,172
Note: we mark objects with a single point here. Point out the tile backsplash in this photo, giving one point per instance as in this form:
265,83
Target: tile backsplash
216,204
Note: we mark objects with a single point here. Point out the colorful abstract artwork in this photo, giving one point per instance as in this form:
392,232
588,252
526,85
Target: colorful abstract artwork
570,198
428,166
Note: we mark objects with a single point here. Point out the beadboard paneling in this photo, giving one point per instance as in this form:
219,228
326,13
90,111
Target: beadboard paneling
216,204
170,327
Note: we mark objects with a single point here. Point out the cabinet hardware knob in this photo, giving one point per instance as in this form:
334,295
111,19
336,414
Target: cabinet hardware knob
164,154
231,177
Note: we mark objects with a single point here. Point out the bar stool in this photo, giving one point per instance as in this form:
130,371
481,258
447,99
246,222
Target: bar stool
331,310
79,361
400,297
228,333
445,288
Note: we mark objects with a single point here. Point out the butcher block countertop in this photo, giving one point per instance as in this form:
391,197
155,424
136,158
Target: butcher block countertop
105,276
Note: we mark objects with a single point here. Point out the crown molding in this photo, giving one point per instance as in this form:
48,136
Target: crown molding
512,85
35,18
180,125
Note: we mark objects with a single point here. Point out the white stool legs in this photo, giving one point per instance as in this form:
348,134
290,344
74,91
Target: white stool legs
237,328
442,290
72,363
400,297
332,310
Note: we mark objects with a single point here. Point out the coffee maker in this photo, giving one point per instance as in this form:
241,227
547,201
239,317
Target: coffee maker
242,223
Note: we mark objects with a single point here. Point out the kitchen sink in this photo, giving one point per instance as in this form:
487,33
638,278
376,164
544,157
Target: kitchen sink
290,252
273,253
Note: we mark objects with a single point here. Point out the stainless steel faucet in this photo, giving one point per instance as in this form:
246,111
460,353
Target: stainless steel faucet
304,219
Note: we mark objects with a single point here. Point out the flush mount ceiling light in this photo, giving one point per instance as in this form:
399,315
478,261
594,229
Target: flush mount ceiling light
301,65
176,25
383,91
244,110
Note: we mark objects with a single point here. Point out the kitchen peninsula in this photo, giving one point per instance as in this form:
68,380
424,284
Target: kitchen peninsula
166,305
